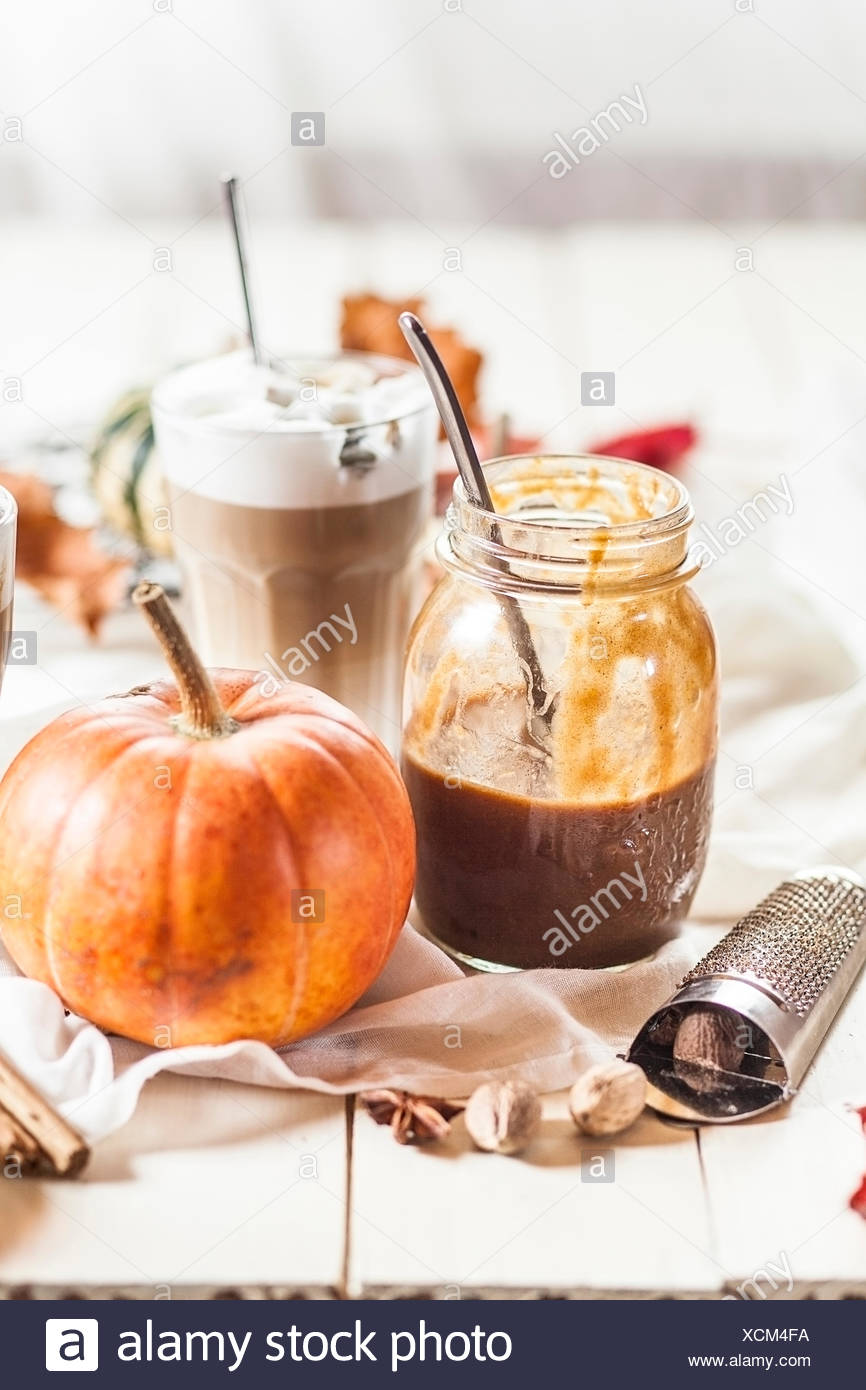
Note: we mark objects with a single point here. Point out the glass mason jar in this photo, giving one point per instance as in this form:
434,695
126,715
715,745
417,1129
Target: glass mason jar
560,718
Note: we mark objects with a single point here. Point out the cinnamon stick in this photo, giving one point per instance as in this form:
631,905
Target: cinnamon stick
33,1133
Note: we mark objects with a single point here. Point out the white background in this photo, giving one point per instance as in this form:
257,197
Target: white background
145,108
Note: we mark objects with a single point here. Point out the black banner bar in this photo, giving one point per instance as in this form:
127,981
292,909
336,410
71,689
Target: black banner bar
418,1344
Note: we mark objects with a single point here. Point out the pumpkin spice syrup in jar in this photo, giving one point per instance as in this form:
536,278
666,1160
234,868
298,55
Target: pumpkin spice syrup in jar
573,836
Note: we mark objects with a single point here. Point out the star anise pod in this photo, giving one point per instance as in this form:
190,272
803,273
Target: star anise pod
412,1119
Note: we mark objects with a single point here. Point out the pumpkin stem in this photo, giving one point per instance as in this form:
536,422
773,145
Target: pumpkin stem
203,715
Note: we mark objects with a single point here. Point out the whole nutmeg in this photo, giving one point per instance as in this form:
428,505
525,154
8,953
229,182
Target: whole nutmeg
607,1098
707,1043
664,1030
502,1116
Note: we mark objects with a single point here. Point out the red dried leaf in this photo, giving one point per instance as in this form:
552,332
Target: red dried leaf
661,448
858,1199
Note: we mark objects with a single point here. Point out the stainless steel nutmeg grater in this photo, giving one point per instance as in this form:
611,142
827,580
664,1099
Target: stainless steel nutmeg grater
784,971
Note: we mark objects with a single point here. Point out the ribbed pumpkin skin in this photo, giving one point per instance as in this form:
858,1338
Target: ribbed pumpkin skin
155,871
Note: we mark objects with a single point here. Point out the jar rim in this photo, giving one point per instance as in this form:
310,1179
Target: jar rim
678,516
510,549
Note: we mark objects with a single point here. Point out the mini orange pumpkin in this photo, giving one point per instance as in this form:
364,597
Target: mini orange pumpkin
201,862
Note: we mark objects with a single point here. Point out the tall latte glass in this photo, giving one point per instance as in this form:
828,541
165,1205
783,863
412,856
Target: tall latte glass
299,496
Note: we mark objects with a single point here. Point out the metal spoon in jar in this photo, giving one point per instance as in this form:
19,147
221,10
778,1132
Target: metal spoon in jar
475,485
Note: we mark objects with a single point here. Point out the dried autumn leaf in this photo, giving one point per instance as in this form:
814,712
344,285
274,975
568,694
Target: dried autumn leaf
661,448
369,324
62,562
857,1201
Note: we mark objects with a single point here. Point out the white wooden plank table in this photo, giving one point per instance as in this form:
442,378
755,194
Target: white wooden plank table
781,1186
211,1187
571,1214
217,1190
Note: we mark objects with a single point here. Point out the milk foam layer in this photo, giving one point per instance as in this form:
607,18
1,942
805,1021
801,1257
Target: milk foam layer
341,431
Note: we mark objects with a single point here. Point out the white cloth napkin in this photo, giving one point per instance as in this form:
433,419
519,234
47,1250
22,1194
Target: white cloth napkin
791,793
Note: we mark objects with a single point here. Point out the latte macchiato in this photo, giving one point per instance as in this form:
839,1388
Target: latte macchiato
299,496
